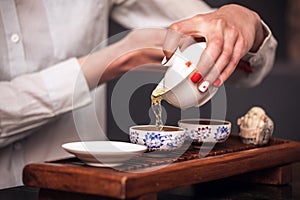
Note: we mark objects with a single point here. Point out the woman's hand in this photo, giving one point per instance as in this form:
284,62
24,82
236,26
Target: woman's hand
143,46
230,32
138,47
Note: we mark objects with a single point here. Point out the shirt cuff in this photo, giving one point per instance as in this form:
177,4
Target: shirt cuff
67,86
257,65
257,58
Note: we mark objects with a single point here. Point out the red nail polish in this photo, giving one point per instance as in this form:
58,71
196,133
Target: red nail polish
196,77
203,86
168,58
217,82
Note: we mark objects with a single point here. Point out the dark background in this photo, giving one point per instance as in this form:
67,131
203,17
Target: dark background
277,94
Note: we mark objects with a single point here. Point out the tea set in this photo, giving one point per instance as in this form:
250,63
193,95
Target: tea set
178,87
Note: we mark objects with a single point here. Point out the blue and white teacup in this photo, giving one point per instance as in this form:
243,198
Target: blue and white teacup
169,138
206,130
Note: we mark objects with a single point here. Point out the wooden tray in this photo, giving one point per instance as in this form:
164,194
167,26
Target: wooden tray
135,179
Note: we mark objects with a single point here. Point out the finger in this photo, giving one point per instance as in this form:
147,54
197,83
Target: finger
230,38
171,42
214,47
207,81
188,26
238,52
190,30
186,41
206,70
205,66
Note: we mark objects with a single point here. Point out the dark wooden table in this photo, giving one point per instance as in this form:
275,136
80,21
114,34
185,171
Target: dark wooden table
70,178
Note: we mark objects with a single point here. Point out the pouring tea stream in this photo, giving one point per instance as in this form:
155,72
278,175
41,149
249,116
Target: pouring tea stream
177,86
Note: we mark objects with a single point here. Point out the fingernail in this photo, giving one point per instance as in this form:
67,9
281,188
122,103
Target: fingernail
217,82
196,77
168,54
203,86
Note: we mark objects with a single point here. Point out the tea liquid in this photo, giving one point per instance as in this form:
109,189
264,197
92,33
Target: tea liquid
156,107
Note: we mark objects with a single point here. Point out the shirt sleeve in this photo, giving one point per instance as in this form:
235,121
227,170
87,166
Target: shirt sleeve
29,101
155,13
260,63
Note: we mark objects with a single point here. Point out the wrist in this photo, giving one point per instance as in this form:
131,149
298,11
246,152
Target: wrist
260,36
103,65
115,61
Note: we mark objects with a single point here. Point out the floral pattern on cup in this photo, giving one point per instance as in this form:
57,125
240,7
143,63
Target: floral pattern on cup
222,133
202,133
158,141
153,140
134,137
202,130
175,142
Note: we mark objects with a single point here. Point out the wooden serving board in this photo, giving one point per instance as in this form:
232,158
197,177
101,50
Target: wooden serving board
138,179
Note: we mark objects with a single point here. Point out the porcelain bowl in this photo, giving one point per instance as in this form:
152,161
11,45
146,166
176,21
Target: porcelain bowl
186,95
206,130
169,138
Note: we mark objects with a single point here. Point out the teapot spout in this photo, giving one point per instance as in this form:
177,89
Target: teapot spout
159,90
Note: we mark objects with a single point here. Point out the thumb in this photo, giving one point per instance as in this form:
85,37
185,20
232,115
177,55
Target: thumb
172,41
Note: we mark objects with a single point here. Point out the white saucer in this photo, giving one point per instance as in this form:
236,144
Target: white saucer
104,153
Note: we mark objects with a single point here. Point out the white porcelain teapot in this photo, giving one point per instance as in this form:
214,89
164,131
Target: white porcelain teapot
178,87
